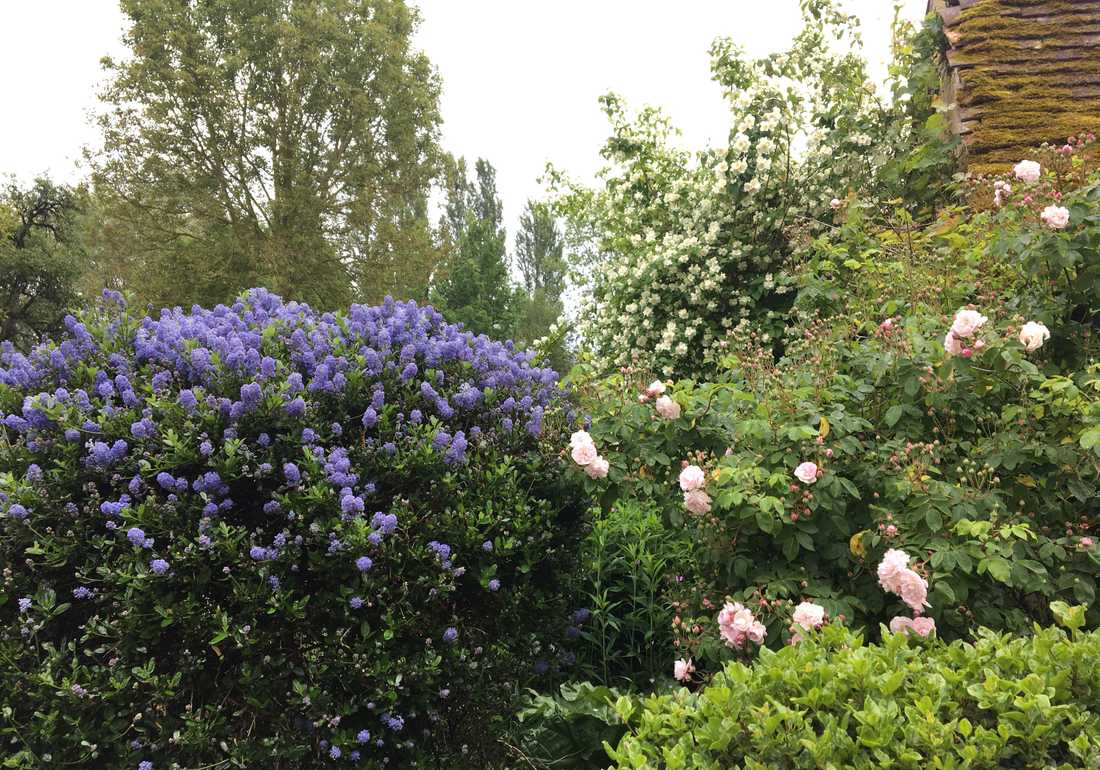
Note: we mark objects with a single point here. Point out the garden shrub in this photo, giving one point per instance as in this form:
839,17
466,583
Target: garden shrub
831,701
979,461
263,536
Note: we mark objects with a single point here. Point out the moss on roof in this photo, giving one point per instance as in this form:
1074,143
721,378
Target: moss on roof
1030,73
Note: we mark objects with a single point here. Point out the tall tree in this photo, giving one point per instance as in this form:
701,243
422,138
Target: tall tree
476,289
285,143
539,259
40,258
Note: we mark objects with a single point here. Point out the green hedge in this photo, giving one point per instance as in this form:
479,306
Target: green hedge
832,702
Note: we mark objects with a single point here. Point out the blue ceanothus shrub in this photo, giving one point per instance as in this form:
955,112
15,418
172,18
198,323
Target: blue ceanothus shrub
265,536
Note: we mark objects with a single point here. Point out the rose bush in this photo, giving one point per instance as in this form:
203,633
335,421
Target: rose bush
260,535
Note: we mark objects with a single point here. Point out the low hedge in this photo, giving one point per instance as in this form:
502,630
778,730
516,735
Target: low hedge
833,702
263,536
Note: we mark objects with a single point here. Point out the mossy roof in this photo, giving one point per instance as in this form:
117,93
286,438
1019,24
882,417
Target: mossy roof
1021,72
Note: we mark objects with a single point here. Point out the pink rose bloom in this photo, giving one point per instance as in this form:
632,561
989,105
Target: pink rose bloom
894,562
952,345
913,590
579,438
900,625
1055,217
583,454
887,325
656,388
683,669
809,615
736,624
692,478
668,408
757,632
806,473
1033,335
597,469
1028,171
1086,542
697,501
835,204
923,626
967,322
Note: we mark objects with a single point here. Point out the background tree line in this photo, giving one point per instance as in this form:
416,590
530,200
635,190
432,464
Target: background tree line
291,144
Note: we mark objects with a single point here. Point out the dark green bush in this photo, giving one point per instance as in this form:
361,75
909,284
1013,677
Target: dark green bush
250,536
831,702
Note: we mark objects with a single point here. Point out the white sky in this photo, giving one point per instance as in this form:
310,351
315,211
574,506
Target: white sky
520,77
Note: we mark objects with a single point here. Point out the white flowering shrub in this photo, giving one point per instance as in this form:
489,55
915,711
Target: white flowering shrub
678,249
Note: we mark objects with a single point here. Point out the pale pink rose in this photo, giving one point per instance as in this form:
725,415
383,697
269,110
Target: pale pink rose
952,345
736,624
809,615
1033,335
1055,217
656,388
900,625
697,501
597,469
835,203
579,438
583,454
757,632
683,669
668,408
913,590
967,322
806,473
1086,542
1028,171
692,478
923,626
893,563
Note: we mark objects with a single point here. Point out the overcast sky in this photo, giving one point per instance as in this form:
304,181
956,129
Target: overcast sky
520,77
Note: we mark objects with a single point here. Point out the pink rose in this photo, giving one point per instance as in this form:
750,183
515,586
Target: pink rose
894,562
1055,217
923,626
683,669
809,615
1028,171
656,388
967,322
1033,335
835,204
597,469
1086,542
692,478
757,632
697,501
887,325
668,408
900,625
580,437
806,473
952,345
583,454
913,590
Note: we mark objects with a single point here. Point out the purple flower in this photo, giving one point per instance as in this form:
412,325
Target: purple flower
34,473
145,765
450,635
17,511
355,602
81,592
292,474
296,407
159,566
370,418
136,536
494,585
263,439
334,752
363,736
24,604
487,546
206,449
363,563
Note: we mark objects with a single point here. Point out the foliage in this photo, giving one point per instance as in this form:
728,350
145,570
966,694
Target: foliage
626,560
250,536
981,466
679,251
476,290
568,729
539,249
40,259
272,143
998,701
